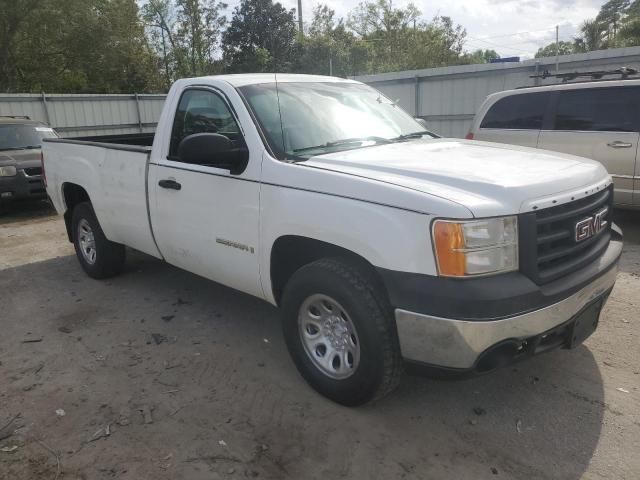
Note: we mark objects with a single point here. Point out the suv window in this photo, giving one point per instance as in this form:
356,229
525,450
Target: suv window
598,109
23,136
201,111
523,111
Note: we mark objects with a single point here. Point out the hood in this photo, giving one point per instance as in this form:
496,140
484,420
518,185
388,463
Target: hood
487,178
20,158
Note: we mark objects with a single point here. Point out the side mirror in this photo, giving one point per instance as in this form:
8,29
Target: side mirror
422,122
214,150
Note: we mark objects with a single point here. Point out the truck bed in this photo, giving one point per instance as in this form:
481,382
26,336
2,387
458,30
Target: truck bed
114,175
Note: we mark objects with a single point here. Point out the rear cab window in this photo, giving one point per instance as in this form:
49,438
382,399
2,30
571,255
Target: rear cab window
522,111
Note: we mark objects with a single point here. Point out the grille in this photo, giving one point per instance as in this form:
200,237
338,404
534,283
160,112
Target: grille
548,247
33,171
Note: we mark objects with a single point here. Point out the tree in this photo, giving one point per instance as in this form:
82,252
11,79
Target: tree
78,46
379,16
329,48
610,16
629,33
12,21
385,29
159,19
563,48
323,21
591,36
261,37
186,35
480,56
398,39
199,25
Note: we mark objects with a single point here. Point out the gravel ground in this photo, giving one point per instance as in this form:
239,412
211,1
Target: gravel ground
159,374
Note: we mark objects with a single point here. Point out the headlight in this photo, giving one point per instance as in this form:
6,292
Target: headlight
8,171
476,247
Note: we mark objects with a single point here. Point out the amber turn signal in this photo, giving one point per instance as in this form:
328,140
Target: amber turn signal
449,244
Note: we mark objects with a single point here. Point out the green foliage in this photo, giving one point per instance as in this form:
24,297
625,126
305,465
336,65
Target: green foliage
185,35
398,39
144,45
199,25
564,48
261,37
74,46
610,16
629,33
481,56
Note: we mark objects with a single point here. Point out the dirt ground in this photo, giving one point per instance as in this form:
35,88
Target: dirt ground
160,374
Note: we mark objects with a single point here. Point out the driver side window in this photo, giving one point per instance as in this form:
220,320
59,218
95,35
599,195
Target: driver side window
201,111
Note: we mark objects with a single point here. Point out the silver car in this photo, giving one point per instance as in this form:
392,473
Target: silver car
598,120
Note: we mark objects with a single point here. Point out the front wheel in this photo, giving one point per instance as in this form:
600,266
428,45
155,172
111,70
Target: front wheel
99,257
340,332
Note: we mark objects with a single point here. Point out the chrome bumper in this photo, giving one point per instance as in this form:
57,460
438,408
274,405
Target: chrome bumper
458,343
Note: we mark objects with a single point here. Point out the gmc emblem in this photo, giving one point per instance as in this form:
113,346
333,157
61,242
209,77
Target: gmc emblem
591,226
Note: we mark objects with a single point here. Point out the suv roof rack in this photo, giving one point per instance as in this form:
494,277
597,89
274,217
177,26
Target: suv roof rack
594,75
22,117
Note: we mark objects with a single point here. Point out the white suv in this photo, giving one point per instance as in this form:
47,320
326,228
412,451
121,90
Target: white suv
598,120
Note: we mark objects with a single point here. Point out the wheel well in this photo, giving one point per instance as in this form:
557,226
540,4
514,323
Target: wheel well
73,195
291,252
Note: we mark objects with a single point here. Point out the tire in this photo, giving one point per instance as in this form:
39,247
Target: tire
99,257
365,364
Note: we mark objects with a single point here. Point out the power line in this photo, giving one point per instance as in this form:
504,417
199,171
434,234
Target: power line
536,42
521,33
494,44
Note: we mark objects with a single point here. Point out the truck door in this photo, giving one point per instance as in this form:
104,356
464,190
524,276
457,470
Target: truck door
204,218
600,123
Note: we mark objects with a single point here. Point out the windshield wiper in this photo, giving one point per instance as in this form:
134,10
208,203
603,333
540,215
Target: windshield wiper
344,142
409,136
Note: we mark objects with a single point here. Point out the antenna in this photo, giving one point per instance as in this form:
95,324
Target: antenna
275,76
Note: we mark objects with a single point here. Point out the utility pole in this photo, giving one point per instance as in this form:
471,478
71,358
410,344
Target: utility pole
300,31
557,46
330,67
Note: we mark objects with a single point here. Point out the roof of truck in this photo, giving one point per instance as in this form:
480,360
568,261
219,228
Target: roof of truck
242,79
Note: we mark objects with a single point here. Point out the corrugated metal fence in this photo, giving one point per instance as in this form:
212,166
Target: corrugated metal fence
85,115
447,98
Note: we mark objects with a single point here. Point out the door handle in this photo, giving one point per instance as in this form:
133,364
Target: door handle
619,144
171,184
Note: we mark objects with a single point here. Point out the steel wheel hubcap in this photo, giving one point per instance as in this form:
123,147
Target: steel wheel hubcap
87,241
329,336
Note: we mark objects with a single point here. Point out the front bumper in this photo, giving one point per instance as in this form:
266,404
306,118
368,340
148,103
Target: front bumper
461,343
21,186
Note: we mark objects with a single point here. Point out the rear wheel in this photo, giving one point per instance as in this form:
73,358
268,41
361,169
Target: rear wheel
340,331
99,257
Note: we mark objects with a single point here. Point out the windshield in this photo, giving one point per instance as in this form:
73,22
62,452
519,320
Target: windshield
304,119
23,136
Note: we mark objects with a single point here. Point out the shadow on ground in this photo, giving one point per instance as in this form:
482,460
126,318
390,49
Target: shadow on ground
629,222
226,401
23,211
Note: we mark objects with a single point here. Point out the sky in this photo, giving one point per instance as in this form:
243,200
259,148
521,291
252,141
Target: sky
510,27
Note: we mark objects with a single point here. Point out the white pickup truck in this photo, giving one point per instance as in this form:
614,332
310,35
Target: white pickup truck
382,243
